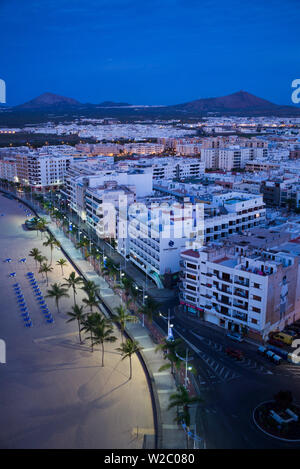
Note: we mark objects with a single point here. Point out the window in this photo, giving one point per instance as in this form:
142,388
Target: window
256,310
256,298
193,277
190,298
256,285
254,321
191,266
190,287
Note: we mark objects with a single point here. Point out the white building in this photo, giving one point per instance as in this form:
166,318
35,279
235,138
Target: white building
250,283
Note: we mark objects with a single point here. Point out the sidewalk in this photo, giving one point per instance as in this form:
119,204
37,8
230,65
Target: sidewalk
168,434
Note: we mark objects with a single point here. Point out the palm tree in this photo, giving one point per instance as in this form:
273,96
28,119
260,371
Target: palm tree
121,317
77,315
127,349
51,241
182,399
83,244
41,225
127,285
170,347
89,325
35,252
72,282
61,262
90,302
149,308
57,292
41,259
90,288
103,332
45,269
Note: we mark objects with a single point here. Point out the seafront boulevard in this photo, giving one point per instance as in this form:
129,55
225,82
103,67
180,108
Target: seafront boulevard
165,432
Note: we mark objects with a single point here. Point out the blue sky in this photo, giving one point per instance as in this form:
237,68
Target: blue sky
149,51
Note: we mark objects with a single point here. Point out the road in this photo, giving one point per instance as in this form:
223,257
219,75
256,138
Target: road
231,389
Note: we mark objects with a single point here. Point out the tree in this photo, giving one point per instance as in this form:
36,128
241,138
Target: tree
41,225
41,259
83,244
57,292
91,301
35,252
127,349
170,347
45,269
90,288
182,399
72,282
89,325
121,317
77,315
103,332
51,241
149,308
61,262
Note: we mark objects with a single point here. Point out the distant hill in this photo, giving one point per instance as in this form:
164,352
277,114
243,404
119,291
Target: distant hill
112,104
55,108
236,102
48,100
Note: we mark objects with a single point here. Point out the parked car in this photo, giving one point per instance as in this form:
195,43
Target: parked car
235,336
285,338
234,353
275,342
262,350
273,357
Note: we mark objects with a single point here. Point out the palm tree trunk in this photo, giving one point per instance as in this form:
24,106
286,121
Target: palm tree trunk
102,354
46,278
130,364
57,304
74,296
51,256
79,331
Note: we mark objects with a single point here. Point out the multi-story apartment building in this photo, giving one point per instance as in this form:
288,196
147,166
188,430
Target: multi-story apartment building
41,171
8,169
170,168
159,232
107,211
250,284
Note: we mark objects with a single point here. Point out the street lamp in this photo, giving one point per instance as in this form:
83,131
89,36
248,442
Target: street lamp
170,336
187,368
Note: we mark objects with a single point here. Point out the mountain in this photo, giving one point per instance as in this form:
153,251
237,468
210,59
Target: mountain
48,100
240,101
112,104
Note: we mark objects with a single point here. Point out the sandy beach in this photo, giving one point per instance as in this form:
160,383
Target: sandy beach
53,391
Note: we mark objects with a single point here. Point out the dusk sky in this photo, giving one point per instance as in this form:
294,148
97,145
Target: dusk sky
149,51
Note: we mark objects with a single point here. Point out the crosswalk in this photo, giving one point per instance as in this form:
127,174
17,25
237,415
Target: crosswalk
223,372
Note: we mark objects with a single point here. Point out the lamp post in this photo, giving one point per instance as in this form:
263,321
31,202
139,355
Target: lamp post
187,368
170,336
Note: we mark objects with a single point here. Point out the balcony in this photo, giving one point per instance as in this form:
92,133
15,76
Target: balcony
241,293
241,306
